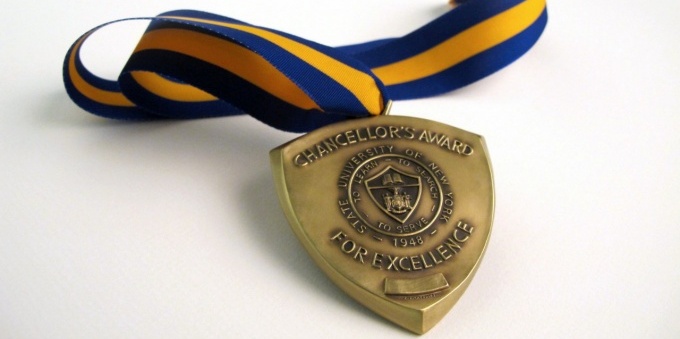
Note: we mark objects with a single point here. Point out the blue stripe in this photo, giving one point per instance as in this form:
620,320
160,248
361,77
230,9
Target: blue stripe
166,108
105,111
364,47
435,32
325,91
340,55
473,69
202,15
243,95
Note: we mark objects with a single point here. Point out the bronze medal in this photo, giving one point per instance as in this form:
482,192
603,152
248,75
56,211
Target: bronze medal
397,211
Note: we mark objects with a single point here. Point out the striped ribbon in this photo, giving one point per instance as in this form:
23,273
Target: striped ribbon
191,64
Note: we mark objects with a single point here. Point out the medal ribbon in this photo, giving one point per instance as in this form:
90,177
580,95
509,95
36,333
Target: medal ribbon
191,64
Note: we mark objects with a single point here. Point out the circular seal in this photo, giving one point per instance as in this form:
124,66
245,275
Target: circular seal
397,194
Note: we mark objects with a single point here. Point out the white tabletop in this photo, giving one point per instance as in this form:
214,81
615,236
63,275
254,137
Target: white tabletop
173,229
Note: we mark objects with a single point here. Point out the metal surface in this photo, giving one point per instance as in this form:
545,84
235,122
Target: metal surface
397,211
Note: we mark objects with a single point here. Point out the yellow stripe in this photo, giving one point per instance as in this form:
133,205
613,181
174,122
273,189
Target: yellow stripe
171,90
91,92
474,40
358,83
230,56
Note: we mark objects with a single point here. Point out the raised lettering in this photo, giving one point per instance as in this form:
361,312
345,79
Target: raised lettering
377,261
393,263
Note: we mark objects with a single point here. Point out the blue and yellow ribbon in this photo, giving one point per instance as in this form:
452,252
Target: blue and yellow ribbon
191,64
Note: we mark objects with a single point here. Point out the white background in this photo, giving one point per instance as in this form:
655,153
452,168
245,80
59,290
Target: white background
173,229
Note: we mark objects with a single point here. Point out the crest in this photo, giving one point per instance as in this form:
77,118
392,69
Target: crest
395,192
396,211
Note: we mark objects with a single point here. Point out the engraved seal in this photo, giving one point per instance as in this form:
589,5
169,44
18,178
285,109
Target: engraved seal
395,193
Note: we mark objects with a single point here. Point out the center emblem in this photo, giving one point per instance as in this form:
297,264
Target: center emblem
395,192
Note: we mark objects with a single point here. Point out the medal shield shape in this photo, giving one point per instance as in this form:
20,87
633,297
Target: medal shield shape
396,211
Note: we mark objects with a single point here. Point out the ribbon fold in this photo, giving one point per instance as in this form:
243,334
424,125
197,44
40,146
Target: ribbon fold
190,64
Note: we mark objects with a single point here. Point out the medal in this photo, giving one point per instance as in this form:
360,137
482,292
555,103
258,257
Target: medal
396,211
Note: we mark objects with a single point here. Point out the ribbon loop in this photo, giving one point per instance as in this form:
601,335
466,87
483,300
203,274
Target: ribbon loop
191,64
